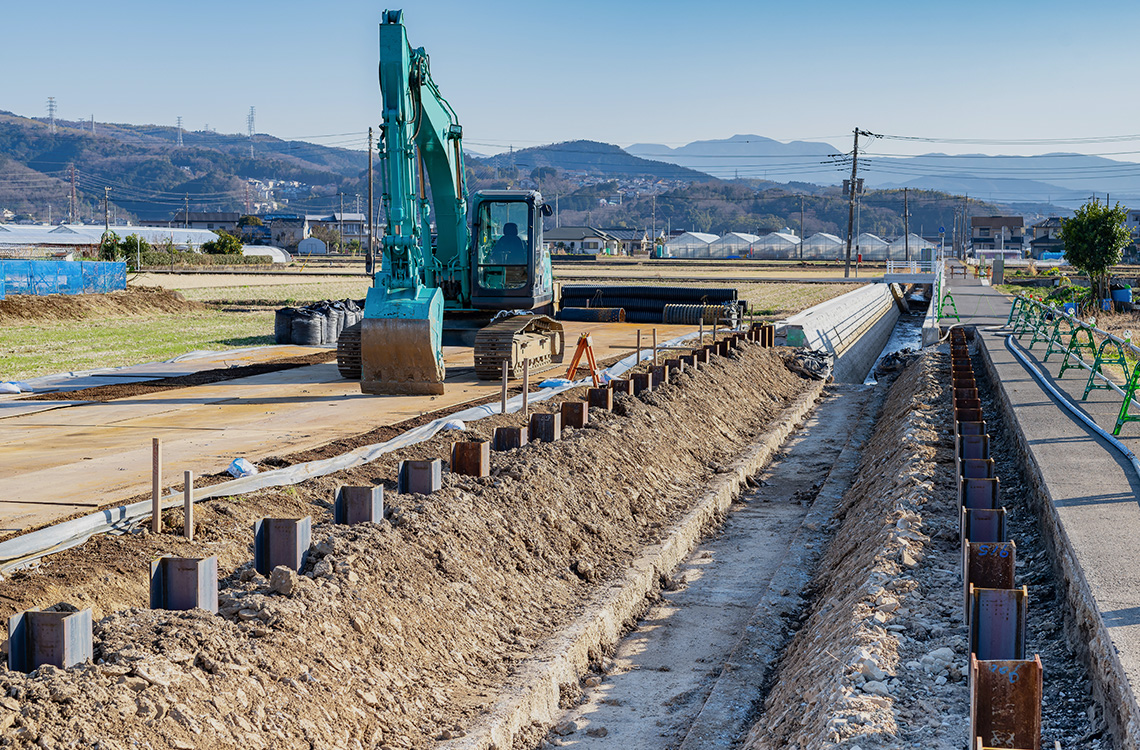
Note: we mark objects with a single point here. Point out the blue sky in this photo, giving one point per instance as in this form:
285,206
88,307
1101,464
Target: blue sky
523,73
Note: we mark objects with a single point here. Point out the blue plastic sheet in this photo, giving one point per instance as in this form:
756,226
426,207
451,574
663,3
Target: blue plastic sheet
42,277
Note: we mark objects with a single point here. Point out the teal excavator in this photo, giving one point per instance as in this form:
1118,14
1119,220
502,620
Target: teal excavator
485,273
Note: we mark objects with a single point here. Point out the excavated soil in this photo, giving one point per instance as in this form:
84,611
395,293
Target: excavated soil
880,659
398,633
134,300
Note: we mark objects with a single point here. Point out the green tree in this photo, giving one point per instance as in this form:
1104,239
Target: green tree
250,221
226,244
109,248
1095,239
327,235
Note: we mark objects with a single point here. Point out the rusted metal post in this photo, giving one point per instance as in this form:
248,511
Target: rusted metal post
509,438
36,637
188,505
471,458
622,385
281,541
358,505
987,565
638,360
1005,702
546,427
181,583
156,486
575,414
996,622
422,476
601,398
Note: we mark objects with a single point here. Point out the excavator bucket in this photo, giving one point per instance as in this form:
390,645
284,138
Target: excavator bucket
401,349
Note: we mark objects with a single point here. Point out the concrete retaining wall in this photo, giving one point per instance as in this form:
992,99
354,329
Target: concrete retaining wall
854,327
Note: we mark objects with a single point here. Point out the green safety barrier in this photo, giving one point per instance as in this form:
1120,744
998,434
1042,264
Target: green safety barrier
1075,345
1129,394
1101,361
1057,337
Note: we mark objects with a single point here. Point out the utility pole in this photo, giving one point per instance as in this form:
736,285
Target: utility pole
851,202
92,124
906,225
966,233
71,212
186,213
655,220
557,218
371,232
106,211
249,124
802,235
340,216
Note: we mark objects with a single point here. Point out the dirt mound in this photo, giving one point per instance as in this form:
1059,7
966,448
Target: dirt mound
134,300
399,632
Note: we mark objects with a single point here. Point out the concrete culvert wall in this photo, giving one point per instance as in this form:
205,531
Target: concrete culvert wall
399,633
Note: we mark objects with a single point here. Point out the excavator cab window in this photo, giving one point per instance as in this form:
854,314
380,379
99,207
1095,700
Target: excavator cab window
503,249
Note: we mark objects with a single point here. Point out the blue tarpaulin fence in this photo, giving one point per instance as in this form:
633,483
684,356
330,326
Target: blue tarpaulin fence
44,277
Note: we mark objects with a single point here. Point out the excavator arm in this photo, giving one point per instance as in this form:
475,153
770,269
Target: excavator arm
421,144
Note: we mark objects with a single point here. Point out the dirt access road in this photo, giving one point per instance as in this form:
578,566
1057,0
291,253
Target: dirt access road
78,458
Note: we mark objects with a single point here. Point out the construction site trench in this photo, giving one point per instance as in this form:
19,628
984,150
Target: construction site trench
740,557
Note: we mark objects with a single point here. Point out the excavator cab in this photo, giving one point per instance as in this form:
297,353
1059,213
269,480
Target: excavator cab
510,268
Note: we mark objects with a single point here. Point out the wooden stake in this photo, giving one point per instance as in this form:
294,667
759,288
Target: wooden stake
638,361
188,505
526,387
654,347
155,486
702,338
503,408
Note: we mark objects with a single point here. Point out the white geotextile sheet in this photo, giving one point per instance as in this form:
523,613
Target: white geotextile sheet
22,551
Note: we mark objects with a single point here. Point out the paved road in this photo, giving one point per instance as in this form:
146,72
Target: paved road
90,455
1093,487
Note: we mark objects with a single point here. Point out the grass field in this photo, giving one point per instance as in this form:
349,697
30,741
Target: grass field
32,348
28,350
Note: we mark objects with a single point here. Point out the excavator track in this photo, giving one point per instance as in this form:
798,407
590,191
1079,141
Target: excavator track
348,352
535,337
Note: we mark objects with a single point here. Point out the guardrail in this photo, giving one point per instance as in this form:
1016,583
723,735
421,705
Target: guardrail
1068,335
911,266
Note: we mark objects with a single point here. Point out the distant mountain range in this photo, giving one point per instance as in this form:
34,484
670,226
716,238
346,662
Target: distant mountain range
592,157
1059,177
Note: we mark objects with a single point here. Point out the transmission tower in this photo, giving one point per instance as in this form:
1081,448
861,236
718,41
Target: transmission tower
92,124
51,114
179,132
249,123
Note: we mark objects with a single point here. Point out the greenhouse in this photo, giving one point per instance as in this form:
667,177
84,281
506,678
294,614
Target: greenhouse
732,245
898,248
776,246
822,245
689,245
871,247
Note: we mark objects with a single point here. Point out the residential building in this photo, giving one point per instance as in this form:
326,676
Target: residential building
1046,237
350,226
224,221
286,229
998,233
593,241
